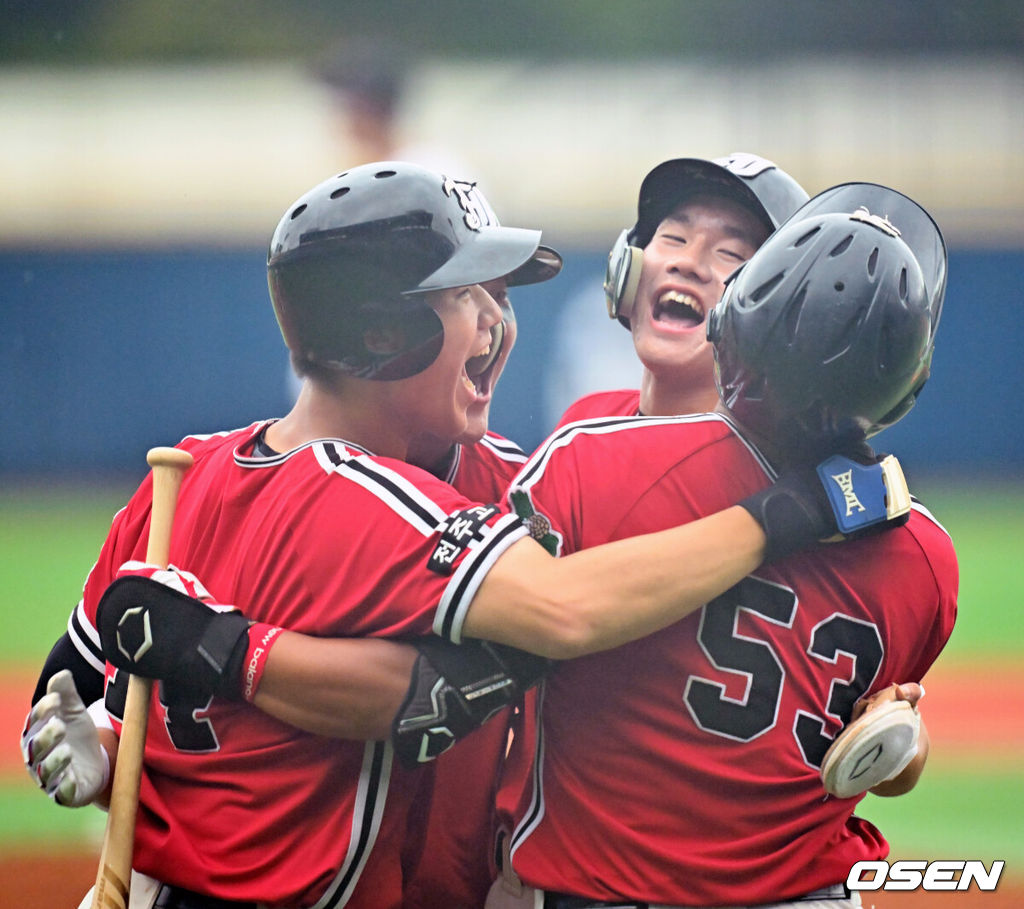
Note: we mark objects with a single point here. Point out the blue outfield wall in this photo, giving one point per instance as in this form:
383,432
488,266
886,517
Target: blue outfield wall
104,354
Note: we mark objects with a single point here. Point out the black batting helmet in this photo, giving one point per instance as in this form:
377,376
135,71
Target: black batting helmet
754,182
825,336
351,259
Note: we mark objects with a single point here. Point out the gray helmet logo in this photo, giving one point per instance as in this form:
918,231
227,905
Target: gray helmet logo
478,212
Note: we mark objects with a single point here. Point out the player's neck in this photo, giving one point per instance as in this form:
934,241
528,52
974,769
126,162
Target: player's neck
431,453
322,413
661,397
775,455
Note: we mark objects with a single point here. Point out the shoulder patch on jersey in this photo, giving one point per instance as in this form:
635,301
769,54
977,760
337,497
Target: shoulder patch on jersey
457,533
537,524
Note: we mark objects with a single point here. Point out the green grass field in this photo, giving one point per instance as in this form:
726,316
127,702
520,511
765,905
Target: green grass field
49,537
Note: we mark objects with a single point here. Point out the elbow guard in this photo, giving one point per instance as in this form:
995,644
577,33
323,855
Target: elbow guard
455,689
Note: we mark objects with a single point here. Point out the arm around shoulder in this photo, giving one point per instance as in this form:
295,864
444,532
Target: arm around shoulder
347,688
608,595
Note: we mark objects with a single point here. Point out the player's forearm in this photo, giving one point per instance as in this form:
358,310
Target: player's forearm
108,742
909,776
607,595
338,687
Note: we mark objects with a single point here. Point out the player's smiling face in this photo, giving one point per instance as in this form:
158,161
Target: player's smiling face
685,266
443,394
485,371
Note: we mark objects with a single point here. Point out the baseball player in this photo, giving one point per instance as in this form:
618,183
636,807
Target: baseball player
456,871
318,523
695,781
697,221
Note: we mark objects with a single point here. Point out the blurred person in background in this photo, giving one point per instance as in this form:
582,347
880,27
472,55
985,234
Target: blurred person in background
368,82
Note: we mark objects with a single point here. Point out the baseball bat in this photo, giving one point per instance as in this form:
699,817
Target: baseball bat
113,878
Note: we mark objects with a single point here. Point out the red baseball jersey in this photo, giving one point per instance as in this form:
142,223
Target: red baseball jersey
621,403
456,867
327,540
483,471
684,768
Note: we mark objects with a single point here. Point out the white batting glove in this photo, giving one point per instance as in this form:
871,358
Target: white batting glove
61,746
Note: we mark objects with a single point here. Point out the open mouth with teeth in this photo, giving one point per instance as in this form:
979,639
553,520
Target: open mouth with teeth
480,368
679,309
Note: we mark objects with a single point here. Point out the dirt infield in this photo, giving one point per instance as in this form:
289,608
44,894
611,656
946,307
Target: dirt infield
33,881
963,719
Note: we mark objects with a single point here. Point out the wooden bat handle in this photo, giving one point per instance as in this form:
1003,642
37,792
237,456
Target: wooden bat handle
113,877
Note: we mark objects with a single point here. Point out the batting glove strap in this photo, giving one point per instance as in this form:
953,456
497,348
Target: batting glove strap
841,498
154,631
455,689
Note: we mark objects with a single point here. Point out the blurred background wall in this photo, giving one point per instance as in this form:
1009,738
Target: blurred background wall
148,152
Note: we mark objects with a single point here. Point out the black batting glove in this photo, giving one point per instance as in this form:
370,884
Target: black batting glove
844,497
154,631
455,689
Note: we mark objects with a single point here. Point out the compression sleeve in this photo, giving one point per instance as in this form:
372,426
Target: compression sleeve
64,655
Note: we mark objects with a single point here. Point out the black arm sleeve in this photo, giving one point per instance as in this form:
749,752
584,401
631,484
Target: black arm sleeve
65,655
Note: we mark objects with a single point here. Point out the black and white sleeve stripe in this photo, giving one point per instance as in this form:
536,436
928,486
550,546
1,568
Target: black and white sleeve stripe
503,449
401,495
86,638
467,578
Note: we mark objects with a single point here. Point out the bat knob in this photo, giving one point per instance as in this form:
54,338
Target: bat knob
164,456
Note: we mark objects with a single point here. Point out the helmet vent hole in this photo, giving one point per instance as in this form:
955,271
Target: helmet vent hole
903,284
382,174
338,193
873,262
806,237
842,246
298,211
839,286
767,287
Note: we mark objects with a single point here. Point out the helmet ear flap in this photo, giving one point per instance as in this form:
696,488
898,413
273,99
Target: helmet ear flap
622,278
714,330
394,342
716,317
